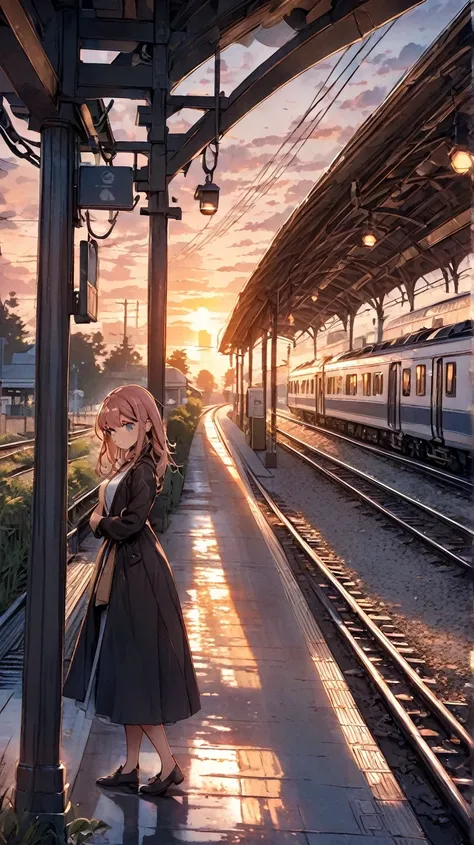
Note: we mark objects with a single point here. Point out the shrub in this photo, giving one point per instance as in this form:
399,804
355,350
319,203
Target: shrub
22,830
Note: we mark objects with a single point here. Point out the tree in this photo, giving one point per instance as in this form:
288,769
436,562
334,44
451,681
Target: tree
98,345
121,358
206,382
12,328
179,359
84,371
228,378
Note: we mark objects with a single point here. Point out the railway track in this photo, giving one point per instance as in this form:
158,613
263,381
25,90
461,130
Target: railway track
443,535
437,735
78,574
23,469
462,485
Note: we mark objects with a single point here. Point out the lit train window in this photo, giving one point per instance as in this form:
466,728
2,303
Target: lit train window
406,382
451,379
339,384
351,384
421,380
367,383
378,384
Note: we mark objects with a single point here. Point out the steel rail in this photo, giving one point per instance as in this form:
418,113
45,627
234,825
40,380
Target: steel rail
26,444
368,479
444,783
410,463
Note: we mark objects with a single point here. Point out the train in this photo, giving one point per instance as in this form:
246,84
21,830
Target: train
411,393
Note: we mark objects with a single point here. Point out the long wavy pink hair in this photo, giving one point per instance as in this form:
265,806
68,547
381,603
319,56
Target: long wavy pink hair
131,403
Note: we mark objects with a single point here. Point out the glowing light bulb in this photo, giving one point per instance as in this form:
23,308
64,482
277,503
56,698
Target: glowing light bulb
461,160
291,319
369,239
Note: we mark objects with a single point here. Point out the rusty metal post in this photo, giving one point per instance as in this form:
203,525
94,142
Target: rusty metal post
250,365
241,390
264,378
271,454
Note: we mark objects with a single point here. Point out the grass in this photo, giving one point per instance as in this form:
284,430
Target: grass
11,438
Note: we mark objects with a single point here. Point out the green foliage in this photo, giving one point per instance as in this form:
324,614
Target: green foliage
121,357
12,328
228,378
22,830
15,523
81,478
194,408
179,359
10,438
84,371
205,381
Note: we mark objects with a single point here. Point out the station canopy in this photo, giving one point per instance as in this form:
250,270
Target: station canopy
393,178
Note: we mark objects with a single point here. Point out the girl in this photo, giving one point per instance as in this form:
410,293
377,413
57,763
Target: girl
132,664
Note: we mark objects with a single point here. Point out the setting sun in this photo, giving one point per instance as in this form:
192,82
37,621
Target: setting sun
200,320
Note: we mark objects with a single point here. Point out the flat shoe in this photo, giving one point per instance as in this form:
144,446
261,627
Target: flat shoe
156,786
128,781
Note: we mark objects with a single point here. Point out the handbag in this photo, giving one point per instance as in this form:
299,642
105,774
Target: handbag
104,583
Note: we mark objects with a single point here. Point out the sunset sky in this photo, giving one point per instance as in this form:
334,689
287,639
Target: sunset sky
210,276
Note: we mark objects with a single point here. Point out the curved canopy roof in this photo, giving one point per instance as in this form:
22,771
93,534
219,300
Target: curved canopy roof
397,168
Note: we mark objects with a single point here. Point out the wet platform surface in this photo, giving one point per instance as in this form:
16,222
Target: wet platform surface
279,752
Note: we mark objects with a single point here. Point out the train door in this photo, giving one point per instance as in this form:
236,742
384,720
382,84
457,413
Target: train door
393,404
437,399
320,394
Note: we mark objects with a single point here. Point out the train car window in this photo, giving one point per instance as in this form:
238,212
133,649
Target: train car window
367,383
351,384
312,385
406,382
378,384
451,379
339,384
421,380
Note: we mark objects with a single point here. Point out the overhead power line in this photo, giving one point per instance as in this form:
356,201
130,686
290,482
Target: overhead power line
298,136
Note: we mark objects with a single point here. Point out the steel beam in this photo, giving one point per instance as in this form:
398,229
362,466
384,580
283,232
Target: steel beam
97,80
25,62
241,390
110,29
323,38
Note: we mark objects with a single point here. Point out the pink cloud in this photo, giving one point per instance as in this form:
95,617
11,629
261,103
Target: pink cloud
370,97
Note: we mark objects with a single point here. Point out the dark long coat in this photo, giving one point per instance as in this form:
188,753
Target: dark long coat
145,674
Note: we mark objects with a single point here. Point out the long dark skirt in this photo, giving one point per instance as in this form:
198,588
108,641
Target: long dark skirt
144,672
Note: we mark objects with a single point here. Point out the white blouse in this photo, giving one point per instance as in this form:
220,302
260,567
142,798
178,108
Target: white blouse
111,488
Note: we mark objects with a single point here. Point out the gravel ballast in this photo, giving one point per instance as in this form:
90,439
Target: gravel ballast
419,487
431,601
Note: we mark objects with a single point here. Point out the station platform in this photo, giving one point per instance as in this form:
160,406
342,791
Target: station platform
279,752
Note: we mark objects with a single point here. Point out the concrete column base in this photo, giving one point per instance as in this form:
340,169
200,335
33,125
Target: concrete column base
271,460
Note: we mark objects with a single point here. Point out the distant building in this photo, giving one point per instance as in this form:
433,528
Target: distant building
204,339
17,383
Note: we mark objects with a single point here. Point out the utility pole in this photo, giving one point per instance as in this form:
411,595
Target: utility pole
125,320
136,315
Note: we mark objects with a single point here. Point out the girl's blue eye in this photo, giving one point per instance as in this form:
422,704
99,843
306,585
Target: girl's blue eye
129,426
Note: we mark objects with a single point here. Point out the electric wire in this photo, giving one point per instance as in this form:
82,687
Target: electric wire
255,191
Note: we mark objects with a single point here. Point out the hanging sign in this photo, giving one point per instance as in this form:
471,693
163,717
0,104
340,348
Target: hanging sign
110,188
87,297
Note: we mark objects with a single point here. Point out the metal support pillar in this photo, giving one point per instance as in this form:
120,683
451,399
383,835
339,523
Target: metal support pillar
264,378
271,454
350,320
250,365
40,786
158,204
236,390
241,390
